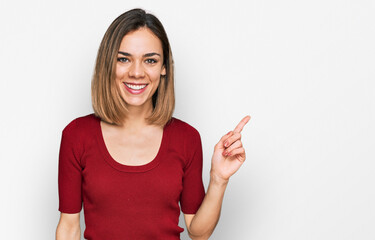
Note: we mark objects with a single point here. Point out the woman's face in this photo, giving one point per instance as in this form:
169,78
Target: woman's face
139,66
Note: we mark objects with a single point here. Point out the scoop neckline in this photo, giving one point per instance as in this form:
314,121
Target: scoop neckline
130,168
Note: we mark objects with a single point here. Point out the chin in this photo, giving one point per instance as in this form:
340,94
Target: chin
143,99
137,102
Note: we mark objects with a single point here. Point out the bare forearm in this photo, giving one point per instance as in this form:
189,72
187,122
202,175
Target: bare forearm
207,217
68,233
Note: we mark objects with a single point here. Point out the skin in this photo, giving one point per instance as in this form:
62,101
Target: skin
228,157
137,143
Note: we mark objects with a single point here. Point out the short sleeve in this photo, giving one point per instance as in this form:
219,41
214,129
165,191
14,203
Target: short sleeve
193,190
69,173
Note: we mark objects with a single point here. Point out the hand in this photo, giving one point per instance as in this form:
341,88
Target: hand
229,154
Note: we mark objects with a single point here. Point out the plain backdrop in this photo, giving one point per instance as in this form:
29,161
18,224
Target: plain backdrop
303,70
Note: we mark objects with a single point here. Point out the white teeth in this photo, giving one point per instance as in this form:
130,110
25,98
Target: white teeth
135,87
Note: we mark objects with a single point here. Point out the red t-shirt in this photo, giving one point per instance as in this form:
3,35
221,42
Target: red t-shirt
129,202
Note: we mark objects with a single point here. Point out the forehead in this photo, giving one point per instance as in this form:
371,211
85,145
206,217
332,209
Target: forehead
141,41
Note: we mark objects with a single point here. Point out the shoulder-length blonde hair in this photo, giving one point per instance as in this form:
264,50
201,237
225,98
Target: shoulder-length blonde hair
106,99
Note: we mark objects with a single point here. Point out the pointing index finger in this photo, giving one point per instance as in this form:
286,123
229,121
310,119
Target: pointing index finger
243,122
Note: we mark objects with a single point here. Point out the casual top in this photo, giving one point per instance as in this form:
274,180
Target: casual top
129,202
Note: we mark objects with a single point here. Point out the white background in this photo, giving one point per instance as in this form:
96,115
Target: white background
304,71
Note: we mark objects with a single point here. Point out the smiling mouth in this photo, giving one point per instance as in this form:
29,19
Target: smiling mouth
135,86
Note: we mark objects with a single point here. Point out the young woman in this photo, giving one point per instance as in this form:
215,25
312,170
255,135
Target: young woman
131,164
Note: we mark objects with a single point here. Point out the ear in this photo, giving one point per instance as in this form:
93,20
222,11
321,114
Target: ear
163,71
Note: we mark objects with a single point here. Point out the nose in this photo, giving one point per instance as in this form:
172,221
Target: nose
136,70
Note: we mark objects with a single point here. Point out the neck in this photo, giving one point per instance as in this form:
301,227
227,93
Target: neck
136,117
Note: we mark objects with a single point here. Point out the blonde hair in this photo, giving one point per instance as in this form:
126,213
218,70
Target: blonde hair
107,102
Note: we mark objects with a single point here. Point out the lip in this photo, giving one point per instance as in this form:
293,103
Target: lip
131,83
133,91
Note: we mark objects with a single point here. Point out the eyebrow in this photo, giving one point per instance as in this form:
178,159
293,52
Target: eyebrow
145,55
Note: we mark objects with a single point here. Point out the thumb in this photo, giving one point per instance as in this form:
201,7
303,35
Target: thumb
220,144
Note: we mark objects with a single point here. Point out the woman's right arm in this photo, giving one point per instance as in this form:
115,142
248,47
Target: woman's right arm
68,227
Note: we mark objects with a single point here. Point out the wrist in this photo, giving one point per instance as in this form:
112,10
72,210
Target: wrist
217,180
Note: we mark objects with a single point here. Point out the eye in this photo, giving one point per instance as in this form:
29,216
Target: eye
122,59
151,61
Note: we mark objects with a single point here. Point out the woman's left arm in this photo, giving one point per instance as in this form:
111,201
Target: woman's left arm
227,158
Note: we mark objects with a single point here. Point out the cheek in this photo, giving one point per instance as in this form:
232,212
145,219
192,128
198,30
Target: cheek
120,72
155,82
154,76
